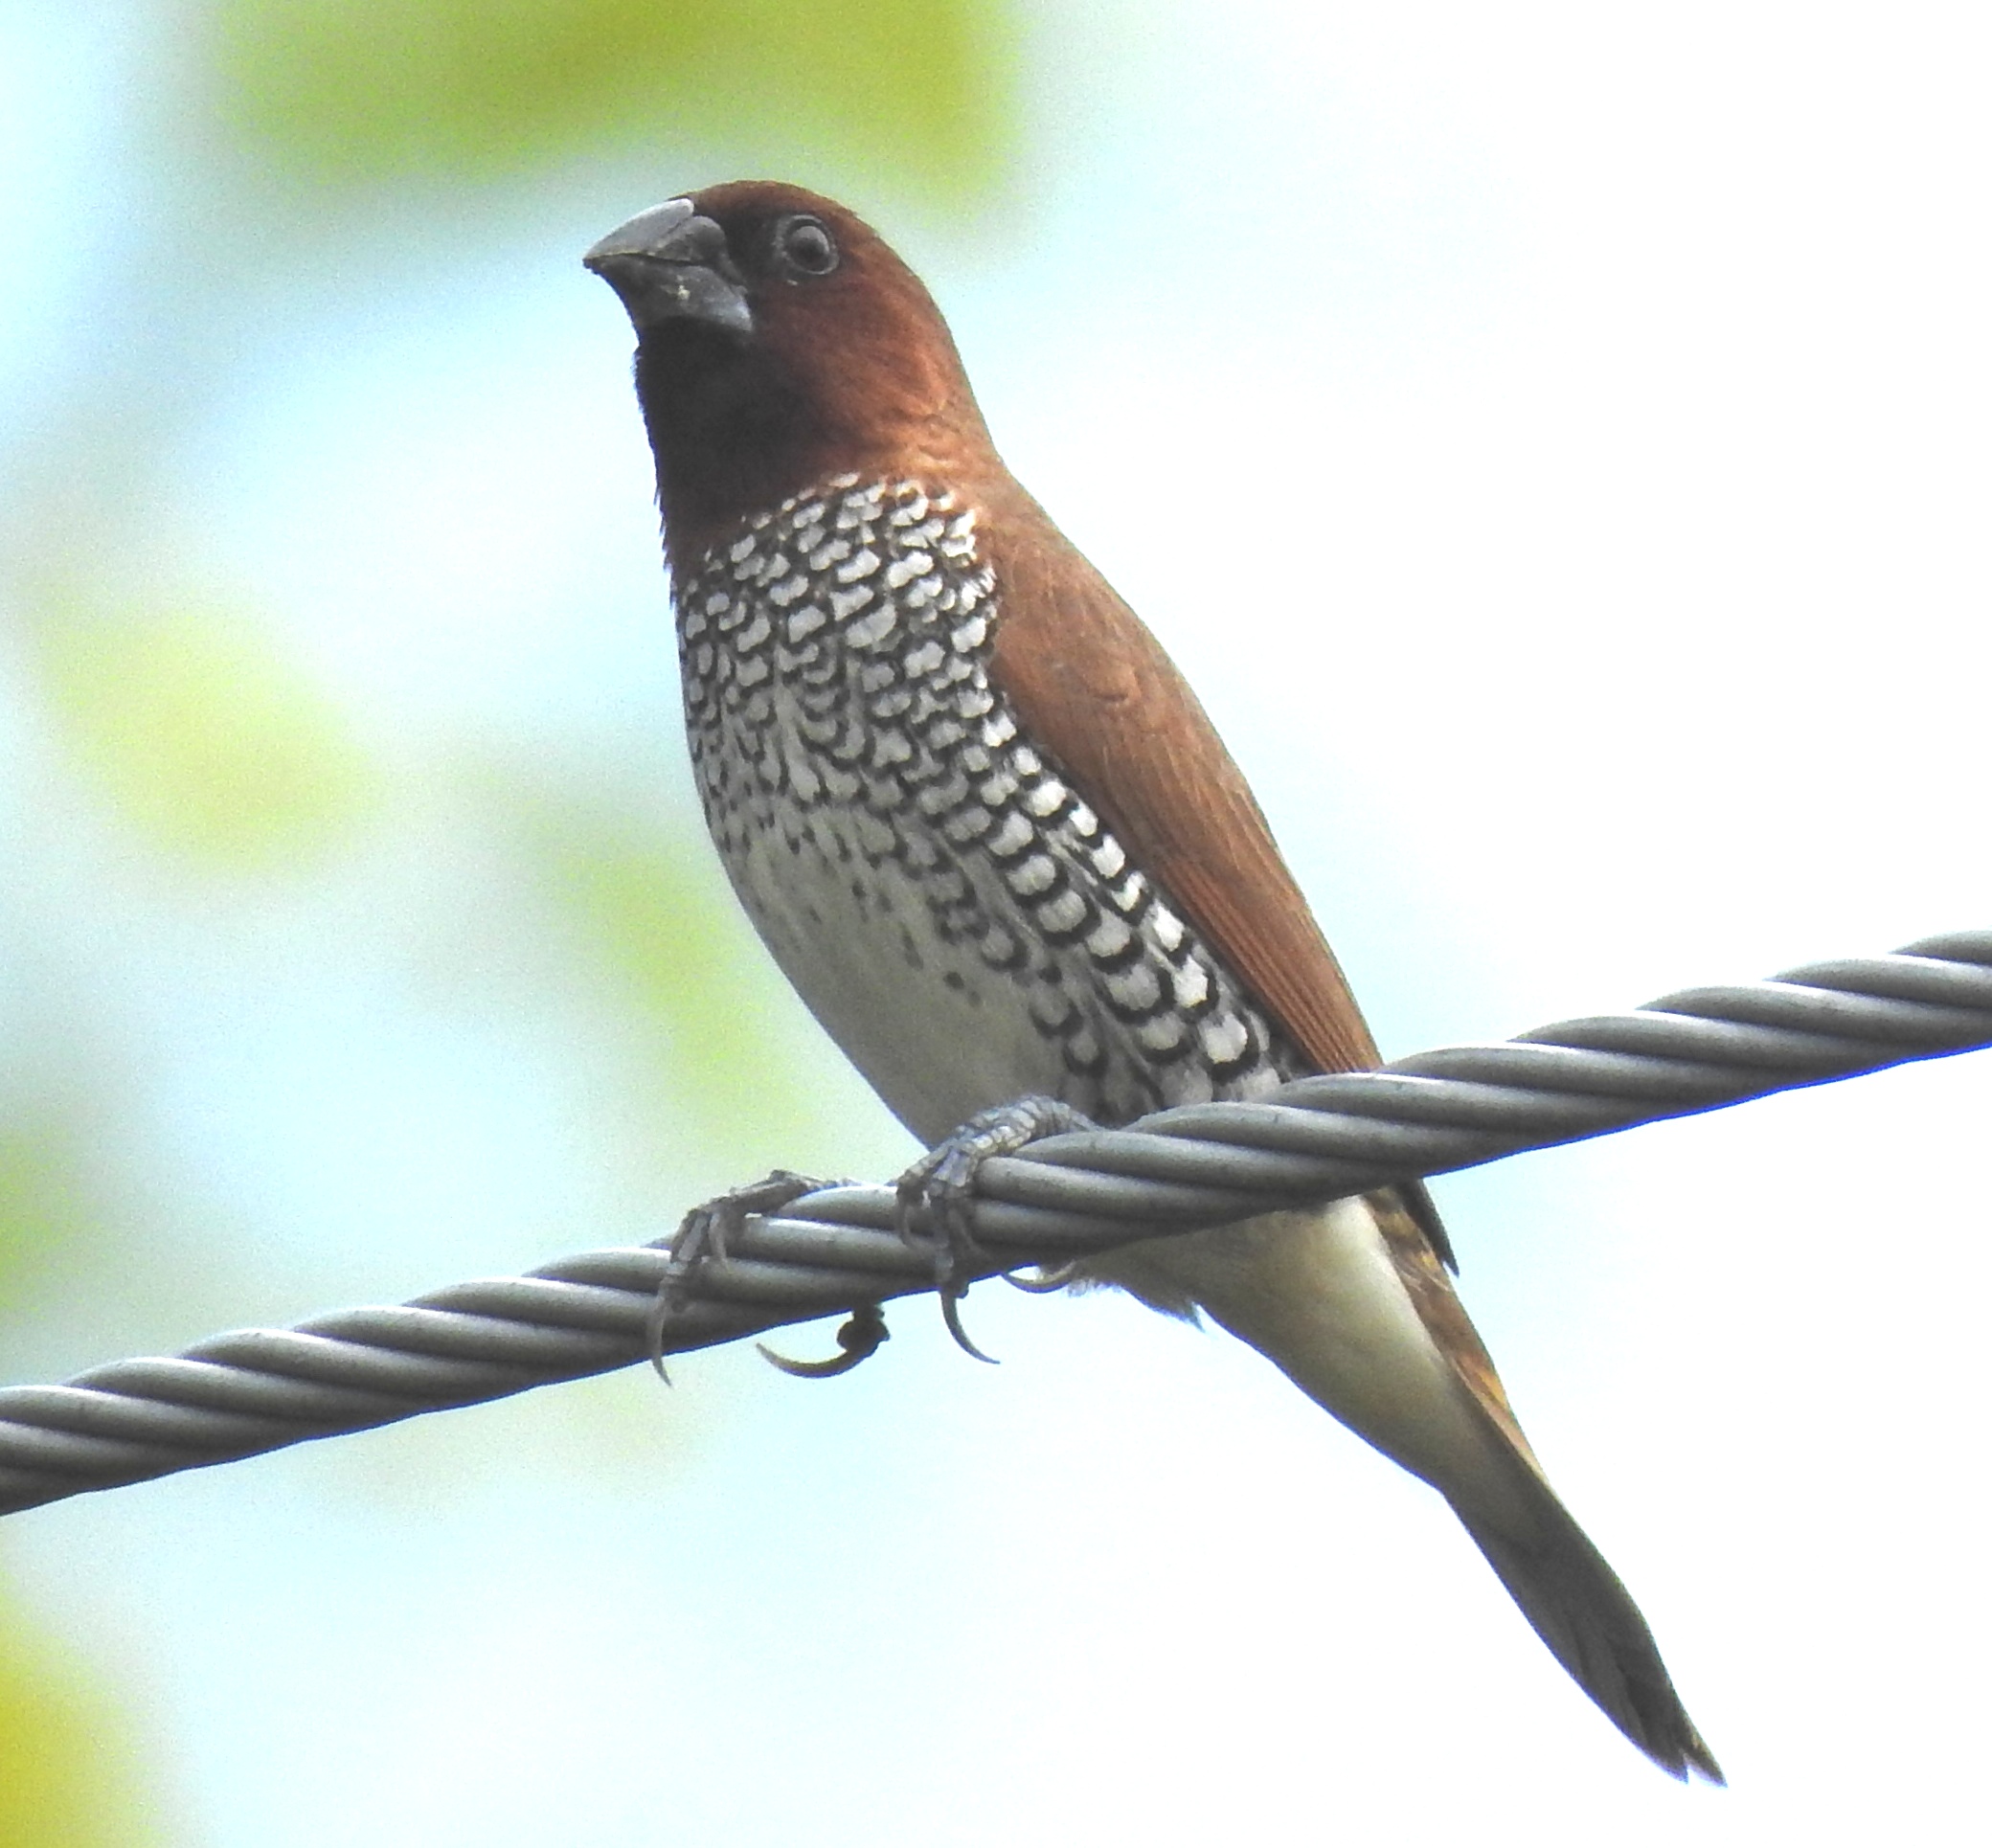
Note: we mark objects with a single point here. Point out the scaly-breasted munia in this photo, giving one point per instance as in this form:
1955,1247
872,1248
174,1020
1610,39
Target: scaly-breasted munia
992,837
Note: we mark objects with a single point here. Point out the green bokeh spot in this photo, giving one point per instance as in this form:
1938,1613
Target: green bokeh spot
42,1204
206,735
354,91
68,1768
654,913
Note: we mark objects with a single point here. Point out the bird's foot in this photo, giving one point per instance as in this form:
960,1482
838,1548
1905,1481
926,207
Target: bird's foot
937,1193
703,1233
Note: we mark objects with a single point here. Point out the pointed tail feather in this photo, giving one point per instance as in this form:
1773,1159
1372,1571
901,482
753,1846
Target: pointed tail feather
1577,1606
1350,1302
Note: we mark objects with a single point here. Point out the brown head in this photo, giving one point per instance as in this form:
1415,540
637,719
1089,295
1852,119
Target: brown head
780,341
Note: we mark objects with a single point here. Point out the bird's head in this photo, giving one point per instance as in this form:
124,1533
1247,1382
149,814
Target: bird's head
780,341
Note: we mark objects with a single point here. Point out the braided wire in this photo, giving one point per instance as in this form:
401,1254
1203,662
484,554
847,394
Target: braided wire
239,1394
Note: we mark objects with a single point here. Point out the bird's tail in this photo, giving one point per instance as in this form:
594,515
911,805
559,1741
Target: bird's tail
1577,1606
1351,1303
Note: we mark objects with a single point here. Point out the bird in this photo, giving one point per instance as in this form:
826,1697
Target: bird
992,839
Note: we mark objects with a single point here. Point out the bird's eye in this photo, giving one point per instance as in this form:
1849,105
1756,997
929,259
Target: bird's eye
805,246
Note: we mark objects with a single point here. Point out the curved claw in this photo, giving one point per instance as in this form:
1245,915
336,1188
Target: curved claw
653,1330
860,1337
951,1314
1050,1277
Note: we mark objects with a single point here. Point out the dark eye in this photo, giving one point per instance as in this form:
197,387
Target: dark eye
806,247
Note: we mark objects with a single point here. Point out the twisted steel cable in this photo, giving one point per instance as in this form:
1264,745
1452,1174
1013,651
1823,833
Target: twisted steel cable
239,1394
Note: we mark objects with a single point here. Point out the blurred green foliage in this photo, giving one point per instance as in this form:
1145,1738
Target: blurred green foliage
352,92
655,912
43,1201
206,735
67,1763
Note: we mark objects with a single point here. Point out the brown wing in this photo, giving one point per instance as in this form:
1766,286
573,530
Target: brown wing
1098,693
1109,707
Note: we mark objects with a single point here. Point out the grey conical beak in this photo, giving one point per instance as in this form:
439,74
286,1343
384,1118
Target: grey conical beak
668,264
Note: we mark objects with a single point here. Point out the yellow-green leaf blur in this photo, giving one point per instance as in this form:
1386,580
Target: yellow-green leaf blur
357,93
205,736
